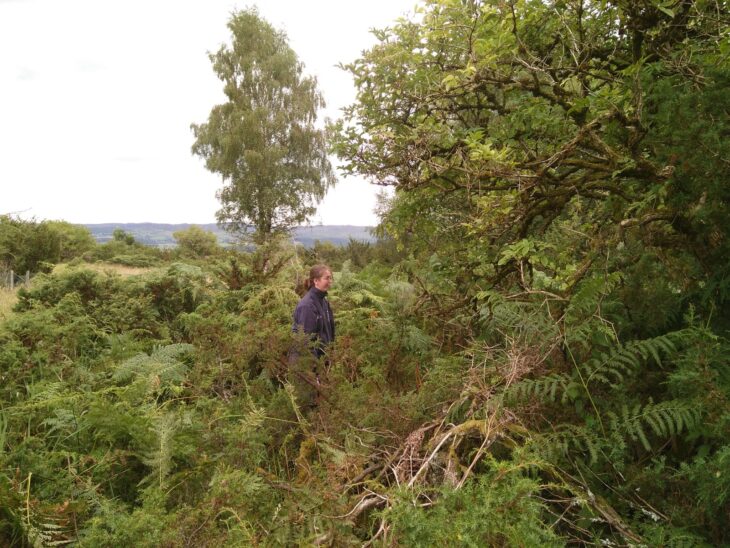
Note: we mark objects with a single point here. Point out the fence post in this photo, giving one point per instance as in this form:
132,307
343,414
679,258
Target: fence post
27,278
12,280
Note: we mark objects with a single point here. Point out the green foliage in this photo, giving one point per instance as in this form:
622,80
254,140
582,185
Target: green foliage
196,242
75,240
502,508
607,368
534,353
181,288
359,254
536,160
156,373
34,246
263,140
561,227
203,436
147,525
120,235
124,250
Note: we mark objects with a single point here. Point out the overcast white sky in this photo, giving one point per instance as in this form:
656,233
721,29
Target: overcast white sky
97,98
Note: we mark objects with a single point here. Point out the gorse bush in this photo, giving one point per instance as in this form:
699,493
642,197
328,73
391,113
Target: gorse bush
503,508
35,246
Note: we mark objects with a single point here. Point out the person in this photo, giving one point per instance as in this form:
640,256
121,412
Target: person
312,316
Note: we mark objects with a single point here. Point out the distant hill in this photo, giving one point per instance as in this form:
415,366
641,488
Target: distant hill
160,235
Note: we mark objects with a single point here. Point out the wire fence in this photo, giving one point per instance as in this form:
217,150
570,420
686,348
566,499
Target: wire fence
10,279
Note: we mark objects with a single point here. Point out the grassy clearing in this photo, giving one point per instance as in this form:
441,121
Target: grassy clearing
103,268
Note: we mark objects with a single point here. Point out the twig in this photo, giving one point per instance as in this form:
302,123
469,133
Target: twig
479,452
368,501
430,458
365,473
382,530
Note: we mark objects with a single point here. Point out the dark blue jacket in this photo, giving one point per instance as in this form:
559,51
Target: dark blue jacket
314,316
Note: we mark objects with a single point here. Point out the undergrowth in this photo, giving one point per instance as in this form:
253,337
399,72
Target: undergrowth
158,409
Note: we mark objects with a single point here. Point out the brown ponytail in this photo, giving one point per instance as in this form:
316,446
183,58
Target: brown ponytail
317,271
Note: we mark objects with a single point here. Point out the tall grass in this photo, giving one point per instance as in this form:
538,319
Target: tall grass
8,299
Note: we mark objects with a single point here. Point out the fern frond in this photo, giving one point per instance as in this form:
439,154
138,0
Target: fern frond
591,291
367,298
570,440
172,351
609,369
162,367
159,459
665,419
626,359
45,391
162,363
543,388
638,423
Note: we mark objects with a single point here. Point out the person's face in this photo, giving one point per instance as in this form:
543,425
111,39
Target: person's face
324,282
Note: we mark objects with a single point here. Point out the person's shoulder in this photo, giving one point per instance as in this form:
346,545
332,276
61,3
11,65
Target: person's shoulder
305,301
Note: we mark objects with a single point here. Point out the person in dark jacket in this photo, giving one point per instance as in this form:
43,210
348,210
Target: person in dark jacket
313,314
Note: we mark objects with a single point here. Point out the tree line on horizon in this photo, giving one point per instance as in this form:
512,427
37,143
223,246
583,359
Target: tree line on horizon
37,246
